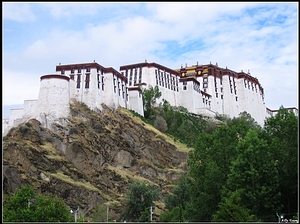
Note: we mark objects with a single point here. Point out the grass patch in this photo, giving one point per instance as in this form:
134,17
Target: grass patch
127,175
86,185
180,146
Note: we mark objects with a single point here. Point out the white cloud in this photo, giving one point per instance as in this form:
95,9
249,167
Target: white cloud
19,12
240,36
19,86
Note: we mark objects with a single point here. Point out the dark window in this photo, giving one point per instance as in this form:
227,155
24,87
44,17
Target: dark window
78,81
87,81
98,79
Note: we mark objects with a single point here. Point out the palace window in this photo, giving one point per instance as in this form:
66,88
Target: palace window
78,81
87,81
72,71
72,77
88,69
102,82
98,80
204,85
62,71
79,70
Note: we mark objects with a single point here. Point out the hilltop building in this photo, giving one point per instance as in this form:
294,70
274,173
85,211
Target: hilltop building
202,89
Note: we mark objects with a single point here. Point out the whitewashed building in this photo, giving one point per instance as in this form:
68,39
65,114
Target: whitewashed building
202,89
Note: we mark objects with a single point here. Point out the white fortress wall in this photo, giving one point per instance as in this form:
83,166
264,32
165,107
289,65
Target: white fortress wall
227,97
186,95
30,106
90,89
119,91
53,99
15,115
5,125
201,89
110,96
136,101
242,95
196,97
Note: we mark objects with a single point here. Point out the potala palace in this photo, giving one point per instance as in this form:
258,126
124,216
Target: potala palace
202,89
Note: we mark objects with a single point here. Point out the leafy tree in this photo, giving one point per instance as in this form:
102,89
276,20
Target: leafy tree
255,174
245,119
282,133
174,215
150,96
26,206
177,201
139,198
231,210
210,163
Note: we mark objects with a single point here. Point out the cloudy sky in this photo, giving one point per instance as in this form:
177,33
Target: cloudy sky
259,37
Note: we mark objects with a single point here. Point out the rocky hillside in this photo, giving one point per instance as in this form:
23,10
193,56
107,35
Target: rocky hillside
89,158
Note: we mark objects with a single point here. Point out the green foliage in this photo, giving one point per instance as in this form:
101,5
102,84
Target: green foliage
261,163
175,215
177,201
139,198
26,206
150,96
145,216
282,134
210,163
254,172
231,210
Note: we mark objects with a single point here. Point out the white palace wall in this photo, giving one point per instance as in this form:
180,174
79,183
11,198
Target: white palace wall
202,89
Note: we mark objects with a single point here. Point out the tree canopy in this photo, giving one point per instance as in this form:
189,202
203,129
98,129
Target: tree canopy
150,95
241,171
27,206
138,201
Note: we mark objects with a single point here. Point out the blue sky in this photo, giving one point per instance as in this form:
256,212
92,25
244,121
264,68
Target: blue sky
259,37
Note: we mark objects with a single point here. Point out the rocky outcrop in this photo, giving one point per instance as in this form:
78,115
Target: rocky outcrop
90,160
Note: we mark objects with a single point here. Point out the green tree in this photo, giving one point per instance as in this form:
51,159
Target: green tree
209,166
141,197
282,133
231,210
150,96
27,206
210,163
174,215
254,172
177,201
